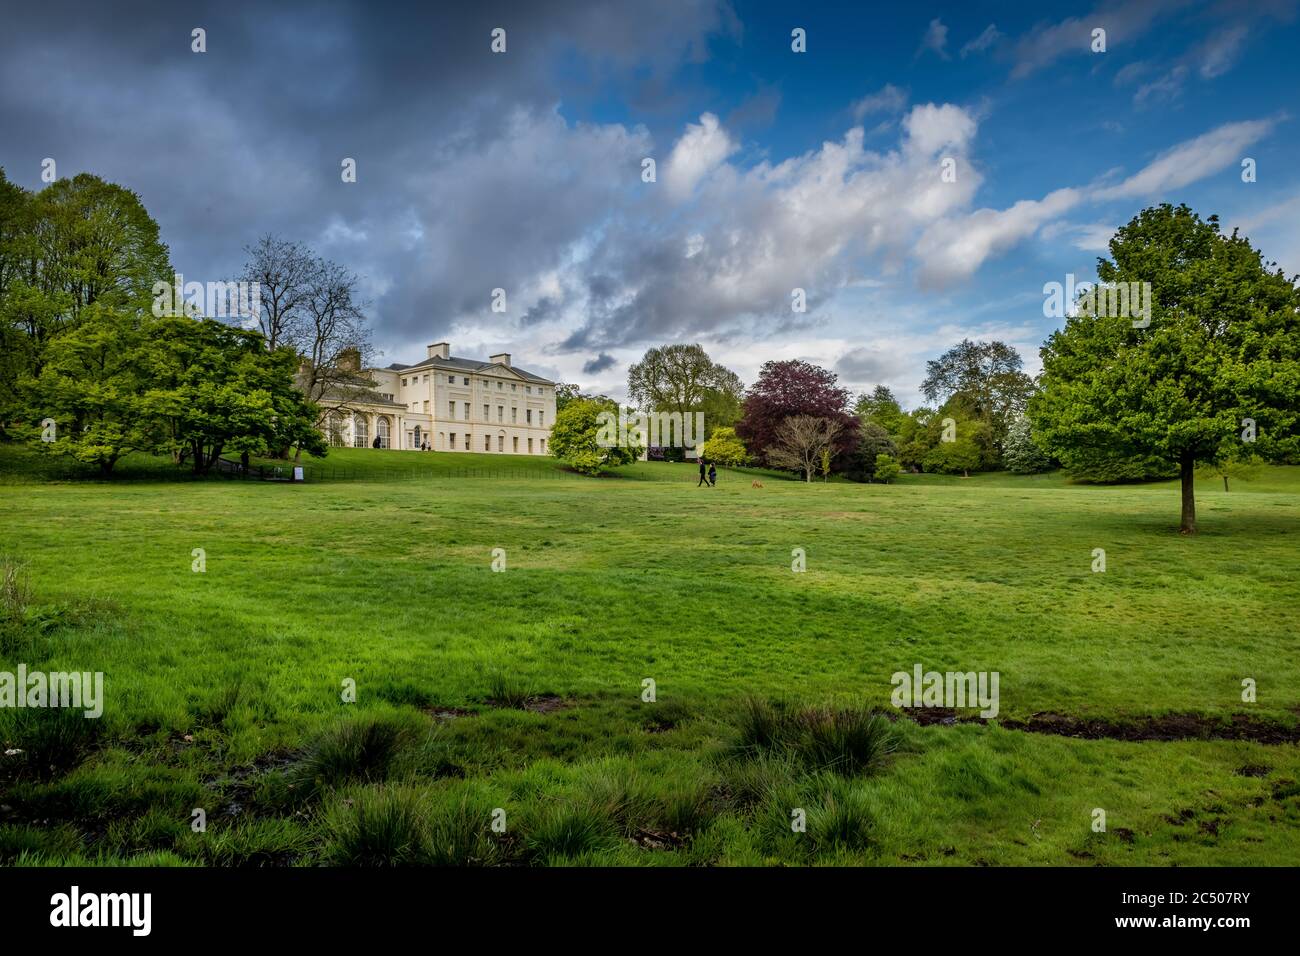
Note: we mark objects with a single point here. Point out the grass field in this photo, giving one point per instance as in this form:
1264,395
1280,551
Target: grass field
522,691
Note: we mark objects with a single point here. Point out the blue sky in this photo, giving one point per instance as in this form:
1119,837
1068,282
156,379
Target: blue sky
819,170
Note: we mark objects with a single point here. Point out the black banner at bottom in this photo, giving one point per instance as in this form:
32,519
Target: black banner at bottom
205,906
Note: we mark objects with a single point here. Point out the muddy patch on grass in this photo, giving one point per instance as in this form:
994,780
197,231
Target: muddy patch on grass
657,839
1165,727
443,714
538,704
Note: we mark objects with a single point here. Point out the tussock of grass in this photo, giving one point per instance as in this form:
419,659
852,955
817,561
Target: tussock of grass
847,741
355,749
378,826
505,691
666,715
53,740
403,825
562,830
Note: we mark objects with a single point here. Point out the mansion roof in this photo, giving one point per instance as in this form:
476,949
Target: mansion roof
466,365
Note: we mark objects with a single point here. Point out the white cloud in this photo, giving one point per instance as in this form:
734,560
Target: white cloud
1220,50
982,42
953,249
935,39
699,151
1167,87
1123,23
931,128
1189,161
888,99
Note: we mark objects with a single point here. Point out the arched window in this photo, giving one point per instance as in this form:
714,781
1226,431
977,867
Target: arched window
334,428
419,443
381,429
360,432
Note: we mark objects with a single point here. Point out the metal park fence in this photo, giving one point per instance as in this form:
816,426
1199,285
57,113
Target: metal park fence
233,471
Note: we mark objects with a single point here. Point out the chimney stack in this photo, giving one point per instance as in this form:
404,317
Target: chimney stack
440,350
501,358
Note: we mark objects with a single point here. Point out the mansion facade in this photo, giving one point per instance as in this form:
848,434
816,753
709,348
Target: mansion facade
446,404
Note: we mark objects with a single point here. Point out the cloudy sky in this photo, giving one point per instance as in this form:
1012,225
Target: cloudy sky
821,170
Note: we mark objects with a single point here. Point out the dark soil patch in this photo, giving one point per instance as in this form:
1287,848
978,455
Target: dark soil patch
658,840
1252,770
1165,727
540,704
447,713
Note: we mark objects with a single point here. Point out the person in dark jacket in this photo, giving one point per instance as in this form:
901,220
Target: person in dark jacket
713,476
375,443
704,477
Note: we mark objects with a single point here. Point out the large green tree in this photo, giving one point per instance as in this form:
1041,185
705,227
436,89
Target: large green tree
91,386
582,438
987,377
77,244
215,389
683,379
1213,370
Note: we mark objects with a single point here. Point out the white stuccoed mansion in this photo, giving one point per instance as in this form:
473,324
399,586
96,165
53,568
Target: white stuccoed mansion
447,404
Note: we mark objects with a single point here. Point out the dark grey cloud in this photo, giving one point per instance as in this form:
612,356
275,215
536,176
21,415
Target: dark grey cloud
599,364
469,178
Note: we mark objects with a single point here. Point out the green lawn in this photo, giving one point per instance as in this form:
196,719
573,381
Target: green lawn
224,687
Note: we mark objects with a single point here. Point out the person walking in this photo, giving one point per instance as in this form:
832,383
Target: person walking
713,476
704,476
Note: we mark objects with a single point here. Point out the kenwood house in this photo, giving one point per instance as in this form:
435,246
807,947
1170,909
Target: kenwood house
448,404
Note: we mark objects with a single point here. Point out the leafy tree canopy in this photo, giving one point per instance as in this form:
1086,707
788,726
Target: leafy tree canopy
1216,368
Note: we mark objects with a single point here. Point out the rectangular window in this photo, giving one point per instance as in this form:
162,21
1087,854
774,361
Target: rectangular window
528,389
403,383
467,381
451,379
487,442
501,385
467,441
501,413
543,446
513,387
514,416
451,411
467,411
426,408
529,416
453,441
530,446
501,443
516,444
426,378
540,413
486,415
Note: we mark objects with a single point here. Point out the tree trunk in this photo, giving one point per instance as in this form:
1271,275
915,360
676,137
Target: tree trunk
1225,482
1187,473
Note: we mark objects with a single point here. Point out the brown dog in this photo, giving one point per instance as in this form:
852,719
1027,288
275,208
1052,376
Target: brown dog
756,484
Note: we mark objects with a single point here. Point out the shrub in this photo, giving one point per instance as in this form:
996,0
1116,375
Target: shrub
726,448
1021,453
887,469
